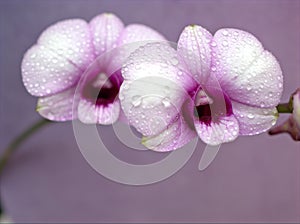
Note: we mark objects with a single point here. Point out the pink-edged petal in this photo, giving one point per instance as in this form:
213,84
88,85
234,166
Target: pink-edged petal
45,72
154,89
176,135
133,37
90,113
221,130
138,32
160,60
70,39
195,51
151,103
254,120
106,29
59,107
247,72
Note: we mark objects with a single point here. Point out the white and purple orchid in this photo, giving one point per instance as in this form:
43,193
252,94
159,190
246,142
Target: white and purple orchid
52,68
216,87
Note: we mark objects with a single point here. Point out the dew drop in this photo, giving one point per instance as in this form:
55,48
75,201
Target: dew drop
213,44
174,61
250,116
225,43
225,32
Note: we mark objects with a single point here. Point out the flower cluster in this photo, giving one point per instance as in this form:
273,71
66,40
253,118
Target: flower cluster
212,86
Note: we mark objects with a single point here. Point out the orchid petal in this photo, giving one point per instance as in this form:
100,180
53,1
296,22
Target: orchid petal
59,107
223,129
90,113
70,39
45,73
106,30
133,37
154,89
195,51
247,72
151,103
157,60
254,120
176,135
137,32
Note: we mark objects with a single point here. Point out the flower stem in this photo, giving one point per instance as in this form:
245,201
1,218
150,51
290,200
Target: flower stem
285,108
20,139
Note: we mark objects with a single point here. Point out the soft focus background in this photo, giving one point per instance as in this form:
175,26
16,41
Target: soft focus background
254,179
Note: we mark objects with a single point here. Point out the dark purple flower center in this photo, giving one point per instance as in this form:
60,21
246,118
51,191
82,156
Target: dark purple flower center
210,108
102,90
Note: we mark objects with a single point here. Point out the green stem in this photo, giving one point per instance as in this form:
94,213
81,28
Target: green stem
20,139
285,108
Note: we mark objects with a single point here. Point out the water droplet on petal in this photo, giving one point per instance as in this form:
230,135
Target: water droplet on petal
225,32
250,116
225,43
213,44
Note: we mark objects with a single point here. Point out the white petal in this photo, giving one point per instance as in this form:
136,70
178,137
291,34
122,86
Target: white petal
157,60
151,103
138,32
223,129
106,30
247,72
70,39
195,51
59,107
176,135
90,113
45,73
131,38
254,120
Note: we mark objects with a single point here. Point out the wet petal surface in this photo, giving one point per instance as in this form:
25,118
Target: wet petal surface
59,107
254,120
90,113
45,73
194,51
220,130
176,135
247,72
105,30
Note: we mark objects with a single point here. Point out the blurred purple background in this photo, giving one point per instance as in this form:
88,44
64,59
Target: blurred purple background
254,179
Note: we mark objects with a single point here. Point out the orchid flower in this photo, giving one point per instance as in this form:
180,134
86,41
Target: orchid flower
52,68
216,87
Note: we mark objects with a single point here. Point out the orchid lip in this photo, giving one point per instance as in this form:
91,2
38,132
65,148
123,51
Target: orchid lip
101,89
210,107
